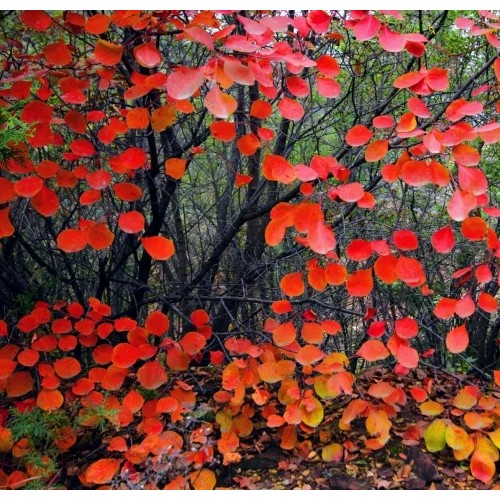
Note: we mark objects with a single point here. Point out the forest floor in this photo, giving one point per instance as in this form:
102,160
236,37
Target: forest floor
400,465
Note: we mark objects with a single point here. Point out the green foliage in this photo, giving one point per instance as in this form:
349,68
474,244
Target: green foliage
39,426
12,131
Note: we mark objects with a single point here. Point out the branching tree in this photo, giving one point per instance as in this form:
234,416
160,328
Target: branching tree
293,194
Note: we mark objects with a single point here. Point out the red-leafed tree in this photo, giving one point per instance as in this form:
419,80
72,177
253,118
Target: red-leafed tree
290,196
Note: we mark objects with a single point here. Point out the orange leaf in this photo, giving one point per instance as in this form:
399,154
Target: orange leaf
376,150
99,236
221,105
67,367
203,480
292,284
309,354
360,283
152,375
175,167
192,343
108,53
158,247
102,471
124,355
358,136
49,399
457,339
373,350
157,323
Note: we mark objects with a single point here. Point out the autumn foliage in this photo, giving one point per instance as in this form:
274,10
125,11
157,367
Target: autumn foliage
119,277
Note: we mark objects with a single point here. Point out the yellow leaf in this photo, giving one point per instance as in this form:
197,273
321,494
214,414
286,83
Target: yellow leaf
332,453
456,437
311,411
435,435
431,408
203,480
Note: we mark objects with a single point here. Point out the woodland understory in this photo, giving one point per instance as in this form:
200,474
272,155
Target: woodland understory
249,249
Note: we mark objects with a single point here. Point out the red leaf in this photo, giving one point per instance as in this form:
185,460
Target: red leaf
405,239
416,173
184,82
261,109
49,399
131,222
408,80
157,323
466,155
223,131
36,19
437,79
472,180
328,66
486,302
99,179
152,375
102,471
99,236
192,343
28,186
82,147
351,192
367,28
6,227
443,240
309,354
407,356
360,283
72,240
418,107
138,118
67,367
319,20
175,167
57,54
290,109
390,40
358,135
327,87
297,86
221,105
460,204
359,250
126,191
147,55
406,328
276,168
284,334
410,270
124,355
